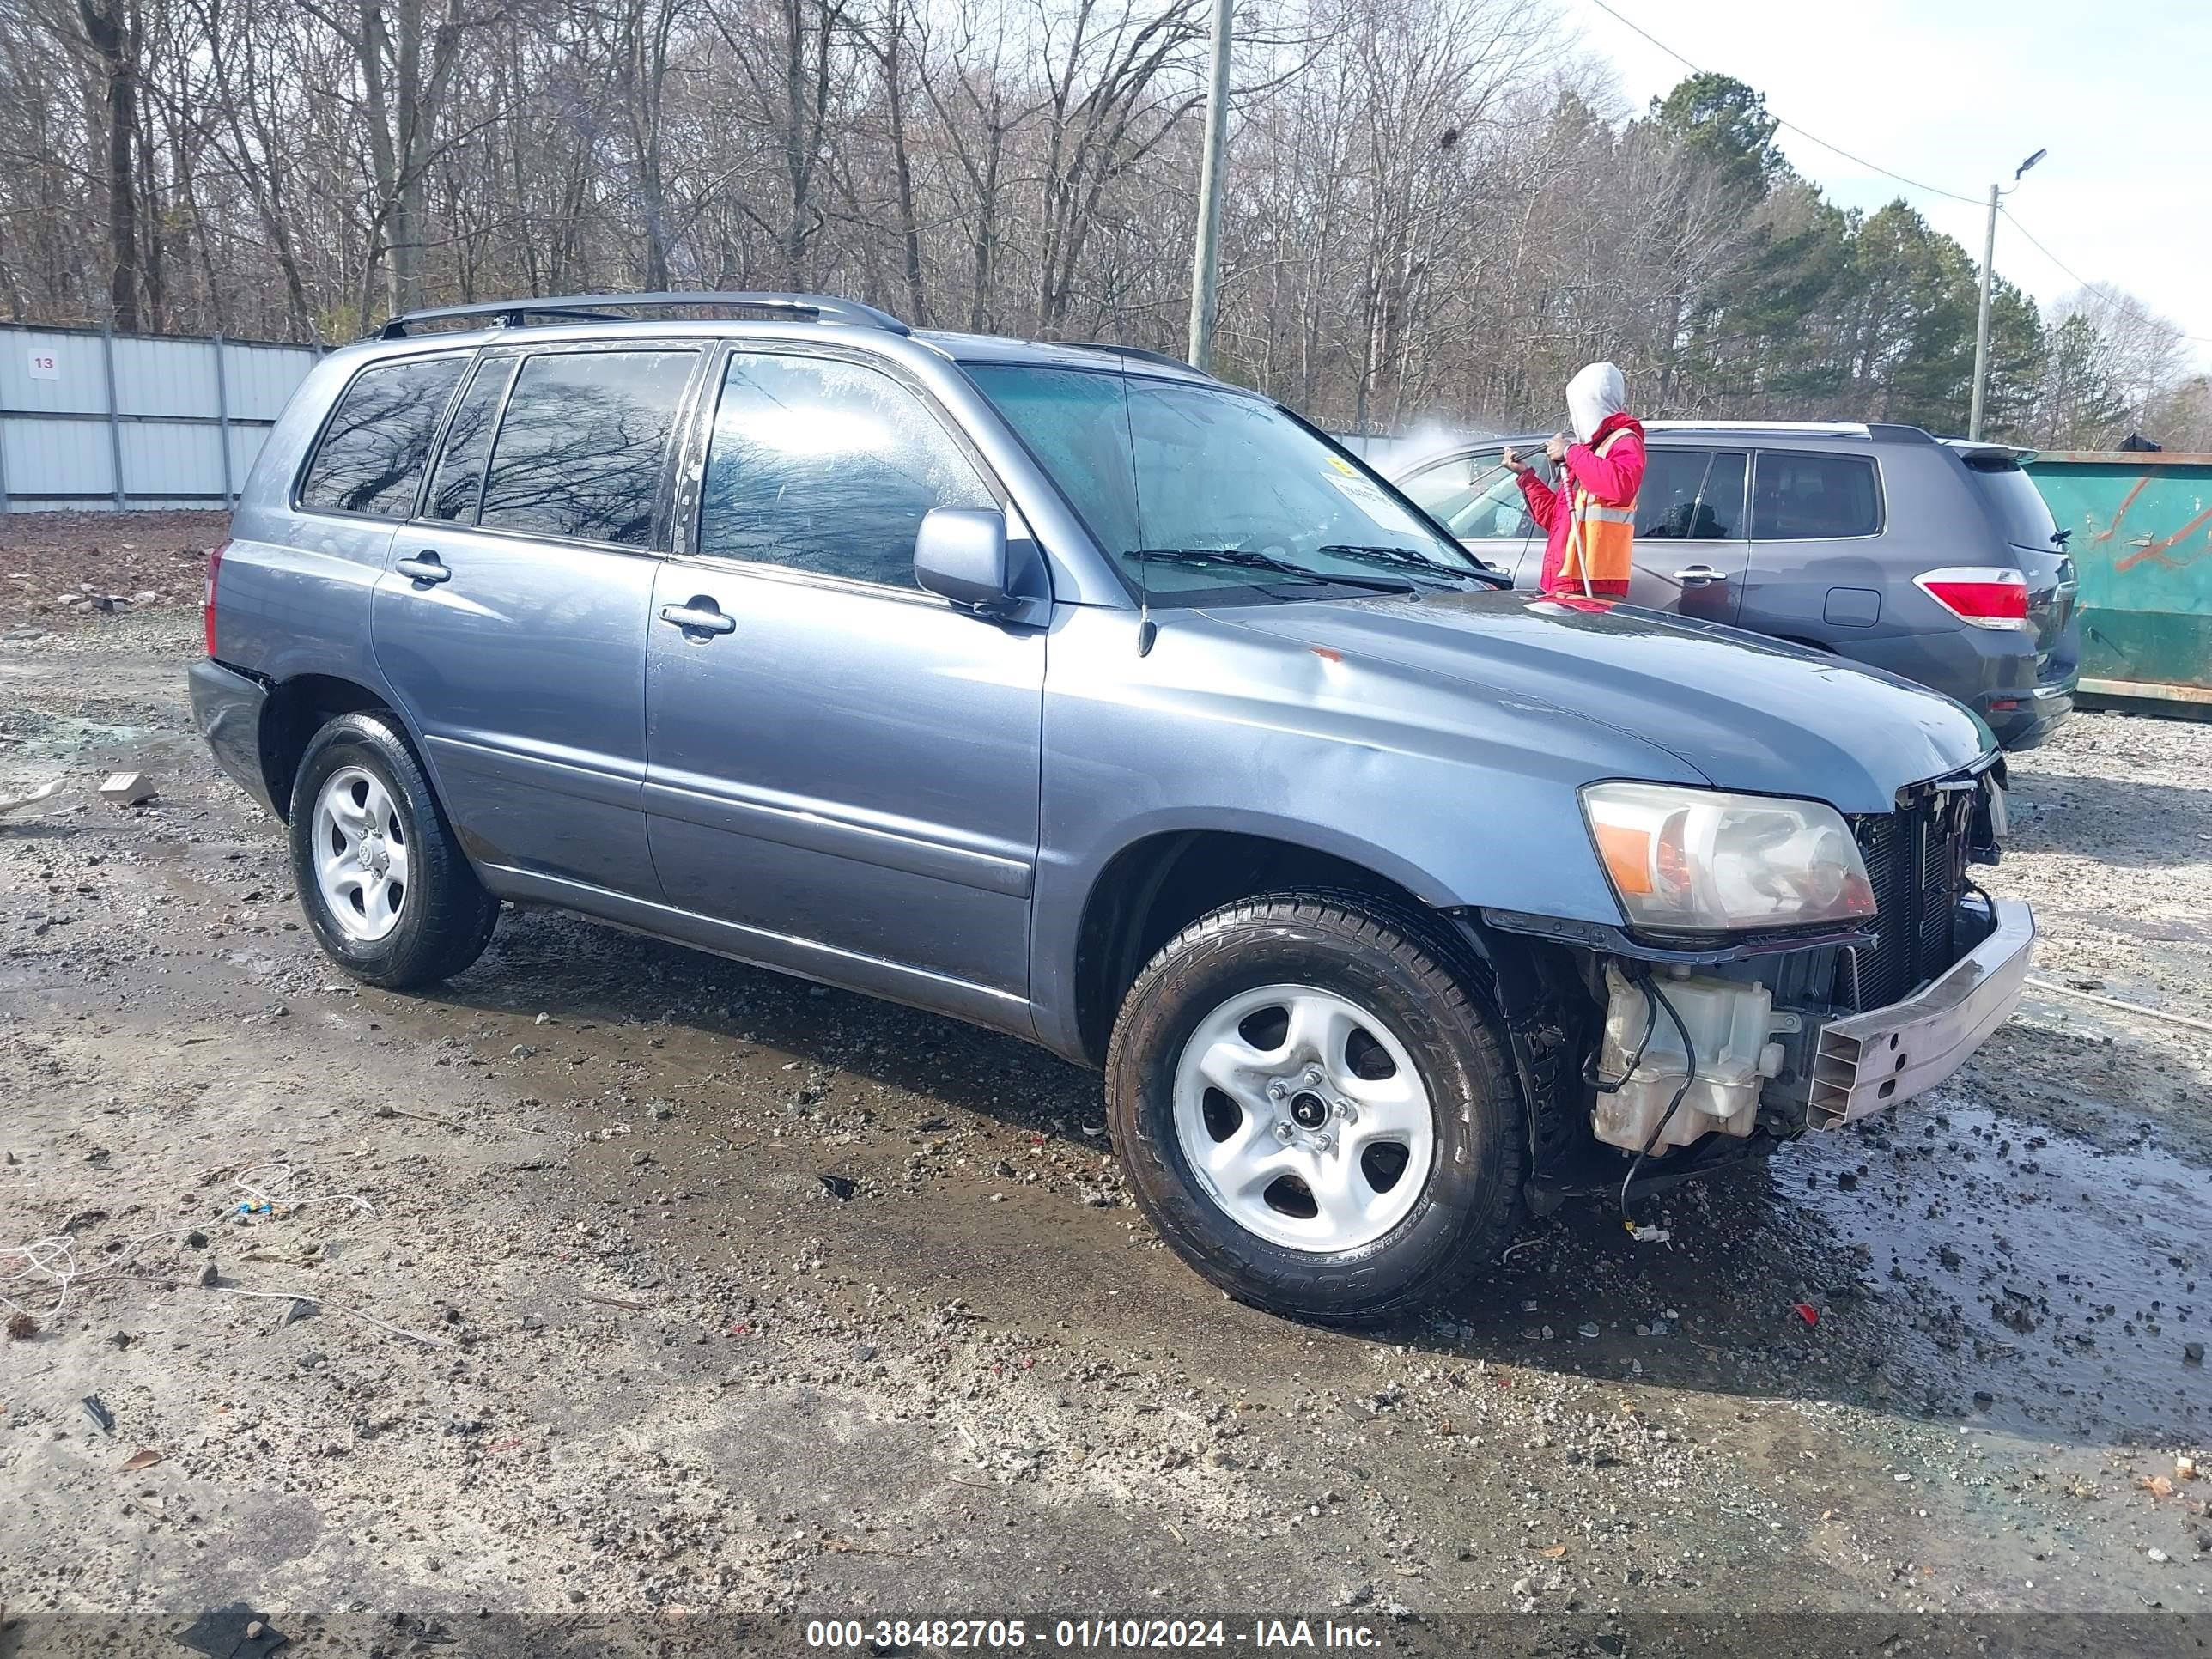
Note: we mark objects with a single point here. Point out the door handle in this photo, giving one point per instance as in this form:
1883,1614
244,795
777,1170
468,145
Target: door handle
701,615
425,566
1700,575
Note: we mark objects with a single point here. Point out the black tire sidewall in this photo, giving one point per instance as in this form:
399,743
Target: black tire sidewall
1472,1185
368,743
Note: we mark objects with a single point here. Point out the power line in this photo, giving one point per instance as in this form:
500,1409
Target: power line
1872,166
1875,167
2043,251
2199,339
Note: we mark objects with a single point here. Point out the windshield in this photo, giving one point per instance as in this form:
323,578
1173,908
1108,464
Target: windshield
1475,497
1154,466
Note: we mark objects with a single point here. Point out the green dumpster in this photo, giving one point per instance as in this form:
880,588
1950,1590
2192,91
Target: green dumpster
2142,545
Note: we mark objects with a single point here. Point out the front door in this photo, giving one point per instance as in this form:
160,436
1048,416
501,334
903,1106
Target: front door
511,621
843,769
1691,552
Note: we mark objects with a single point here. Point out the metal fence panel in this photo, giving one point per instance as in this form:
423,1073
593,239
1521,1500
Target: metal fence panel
88,420
261,378
51,369
53,458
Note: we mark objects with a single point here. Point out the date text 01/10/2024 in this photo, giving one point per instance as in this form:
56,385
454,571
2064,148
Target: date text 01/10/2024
1003,1635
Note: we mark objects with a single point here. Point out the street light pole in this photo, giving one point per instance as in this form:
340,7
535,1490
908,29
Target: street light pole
1982,312
1206,263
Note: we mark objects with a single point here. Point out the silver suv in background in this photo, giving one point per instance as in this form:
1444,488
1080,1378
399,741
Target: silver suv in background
1934,559
1066,690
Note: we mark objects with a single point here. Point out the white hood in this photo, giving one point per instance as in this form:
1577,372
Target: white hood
1596,392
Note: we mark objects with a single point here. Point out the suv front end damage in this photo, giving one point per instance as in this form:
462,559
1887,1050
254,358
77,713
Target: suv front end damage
1700,1049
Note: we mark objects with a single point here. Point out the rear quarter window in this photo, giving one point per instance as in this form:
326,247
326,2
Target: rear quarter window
1802,496
372,453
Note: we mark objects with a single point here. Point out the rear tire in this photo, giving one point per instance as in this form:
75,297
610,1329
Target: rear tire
379,874
1355,1060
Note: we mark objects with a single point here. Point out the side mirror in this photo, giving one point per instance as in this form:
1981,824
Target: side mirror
960,552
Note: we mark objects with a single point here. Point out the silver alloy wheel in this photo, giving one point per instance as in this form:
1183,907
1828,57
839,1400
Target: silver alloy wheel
361,853
1305,1118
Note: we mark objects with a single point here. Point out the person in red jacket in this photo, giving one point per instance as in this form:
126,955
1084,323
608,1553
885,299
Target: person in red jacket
1589,520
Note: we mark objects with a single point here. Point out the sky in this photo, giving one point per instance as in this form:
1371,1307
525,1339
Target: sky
1955,96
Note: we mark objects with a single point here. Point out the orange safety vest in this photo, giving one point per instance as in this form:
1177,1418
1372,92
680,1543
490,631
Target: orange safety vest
1600,538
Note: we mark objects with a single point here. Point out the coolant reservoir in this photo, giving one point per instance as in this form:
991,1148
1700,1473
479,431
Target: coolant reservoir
1727,1022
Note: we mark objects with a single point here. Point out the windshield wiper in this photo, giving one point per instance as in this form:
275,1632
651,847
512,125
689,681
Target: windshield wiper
1245,559
1406,559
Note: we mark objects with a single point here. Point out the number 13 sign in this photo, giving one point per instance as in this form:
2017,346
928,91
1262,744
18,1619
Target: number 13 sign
44,366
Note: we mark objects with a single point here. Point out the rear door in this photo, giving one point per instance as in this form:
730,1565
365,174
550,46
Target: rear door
1692,551
844,770
511,621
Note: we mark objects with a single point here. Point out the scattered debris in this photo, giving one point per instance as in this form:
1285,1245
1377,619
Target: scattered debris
1805,1311
276,1189
49,1262
839,1188
22,1328
45,791
1649,1234
140,1459
98,1412
126,789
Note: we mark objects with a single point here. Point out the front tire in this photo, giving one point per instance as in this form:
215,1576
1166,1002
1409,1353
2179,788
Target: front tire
382,880
1313,1107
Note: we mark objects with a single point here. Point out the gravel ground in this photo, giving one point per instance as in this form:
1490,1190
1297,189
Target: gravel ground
638,1288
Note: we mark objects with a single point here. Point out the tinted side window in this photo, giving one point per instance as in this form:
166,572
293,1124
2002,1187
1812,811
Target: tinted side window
1720,503
828,466
578,452
378,442
1807,497
1667,500
458,484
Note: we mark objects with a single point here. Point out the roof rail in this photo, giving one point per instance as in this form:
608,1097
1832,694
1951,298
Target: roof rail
592,307
1137,352
1809,428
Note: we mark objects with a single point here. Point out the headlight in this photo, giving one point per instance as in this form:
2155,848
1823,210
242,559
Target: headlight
1699,859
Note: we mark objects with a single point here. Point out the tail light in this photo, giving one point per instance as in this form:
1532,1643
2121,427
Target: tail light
207,606
1981,596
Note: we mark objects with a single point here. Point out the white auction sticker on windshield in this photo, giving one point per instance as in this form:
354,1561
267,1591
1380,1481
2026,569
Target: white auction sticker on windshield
1363,493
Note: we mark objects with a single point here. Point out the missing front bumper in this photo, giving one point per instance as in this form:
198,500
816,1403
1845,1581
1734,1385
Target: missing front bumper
1870,1062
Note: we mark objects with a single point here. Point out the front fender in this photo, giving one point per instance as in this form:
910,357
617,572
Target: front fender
1460,797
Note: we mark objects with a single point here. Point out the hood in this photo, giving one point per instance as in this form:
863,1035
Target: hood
1597,390
1746,714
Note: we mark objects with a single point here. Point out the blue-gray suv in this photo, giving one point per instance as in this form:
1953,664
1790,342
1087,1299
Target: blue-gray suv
1066,690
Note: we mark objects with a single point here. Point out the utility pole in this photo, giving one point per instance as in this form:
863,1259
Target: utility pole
1982,312
1205,265
1981,323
